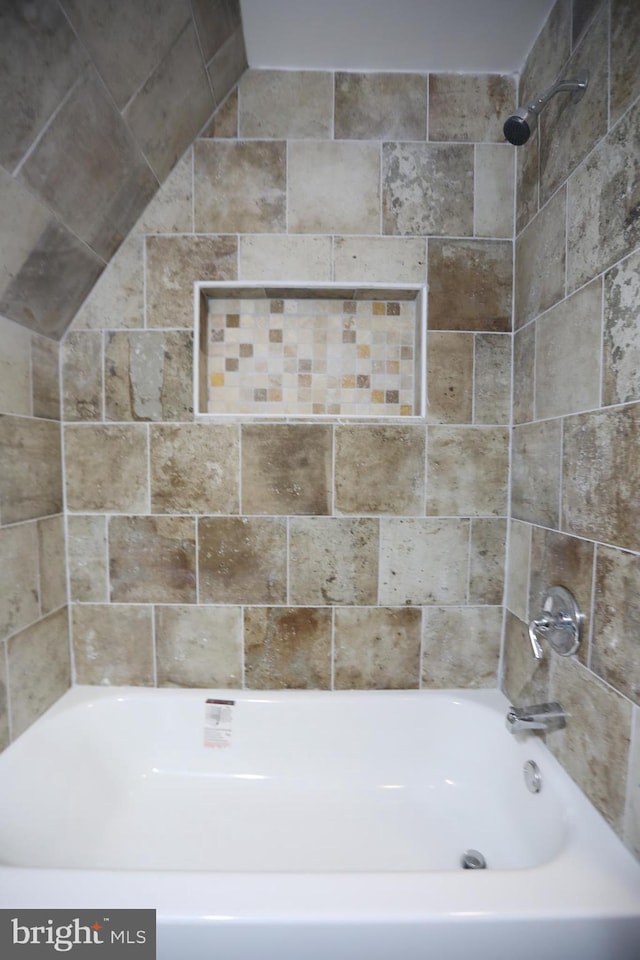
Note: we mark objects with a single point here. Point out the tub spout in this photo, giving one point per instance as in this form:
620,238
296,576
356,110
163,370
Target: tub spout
538,716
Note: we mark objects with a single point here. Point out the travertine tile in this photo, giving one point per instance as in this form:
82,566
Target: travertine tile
333,560
242,560
287,647
601,476
224,123
461,647
285,104
333,187
19,577
377,648
494,190
427,188
594,745
625,36
173,264
15,369
113,644
583,11
171,210
53,568
228,65
152,559
535,473
106,468
478,104
540,262
379,259
632,822
149,375
614,655
117,299
527,182
87,551
286,469
31,478
240,186
621,342
45,374
467,471
525,679
172,106
470,285
572,329
380,106
424,561
602,215
450,377
24,220
290,258
215,21
492,378
519,565
195,468
4,702
549,54
380,469
524,356
198,646
487,561
82,385
39,669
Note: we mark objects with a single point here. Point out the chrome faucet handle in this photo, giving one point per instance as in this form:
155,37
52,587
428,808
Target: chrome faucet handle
560,622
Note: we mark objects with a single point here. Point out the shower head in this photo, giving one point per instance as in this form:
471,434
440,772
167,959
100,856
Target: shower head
521,124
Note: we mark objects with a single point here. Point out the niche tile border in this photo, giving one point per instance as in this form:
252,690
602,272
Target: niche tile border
383,296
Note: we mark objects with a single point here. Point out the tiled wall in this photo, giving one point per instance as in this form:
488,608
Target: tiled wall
576,464
98,100
301,554
34,633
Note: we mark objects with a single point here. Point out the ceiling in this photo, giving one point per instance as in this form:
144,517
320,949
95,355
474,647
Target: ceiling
466,36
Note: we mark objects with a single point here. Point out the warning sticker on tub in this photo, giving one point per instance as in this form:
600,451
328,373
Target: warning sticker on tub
218,723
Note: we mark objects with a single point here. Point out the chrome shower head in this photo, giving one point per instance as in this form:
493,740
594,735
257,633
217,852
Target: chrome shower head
521,124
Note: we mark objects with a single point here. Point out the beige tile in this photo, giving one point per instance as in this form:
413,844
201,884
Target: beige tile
427,189
198,646
525,680
601,476
540,262
424,561
82,385
377,648
614,654
4,702
117,299
494,190
583,11
290,258
535,473
333,187
171,210
492,378
195,468
45,374
31,478
467,471
152,559
625,36
380,106
113,644
39,669
487,561
379,259
240,186
380,469
286,469
621,341
594,746
224,123
215,23
285,104
228,64
287,647
87,550
53,563
242,560
106,468
518,567
470,285
524,356
632,822
333,560
549,53
15,369
461,647
450,377
19,578
468,107
568,340
602,208
24,220
149,375
527,182
173,264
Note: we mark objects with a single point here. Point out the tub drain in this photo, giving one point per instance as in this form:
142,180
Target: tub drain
473,860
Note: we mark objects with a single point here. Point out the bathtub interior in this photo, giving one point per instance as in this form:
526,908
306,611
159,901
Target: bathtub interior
314,782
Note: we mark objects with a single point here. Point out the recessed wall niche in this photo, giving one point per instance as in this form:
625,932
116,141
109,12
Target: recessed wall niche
301,351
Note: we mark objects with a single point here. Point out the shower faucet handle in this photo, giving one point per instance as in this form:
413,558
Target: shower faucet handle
560,623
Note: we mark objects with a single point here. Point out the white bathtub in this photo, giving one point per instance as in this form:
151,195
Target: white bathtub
330,825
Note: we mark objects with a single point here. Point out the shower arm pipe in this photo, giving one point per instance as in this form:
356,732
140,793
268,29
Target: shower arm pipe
560,86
